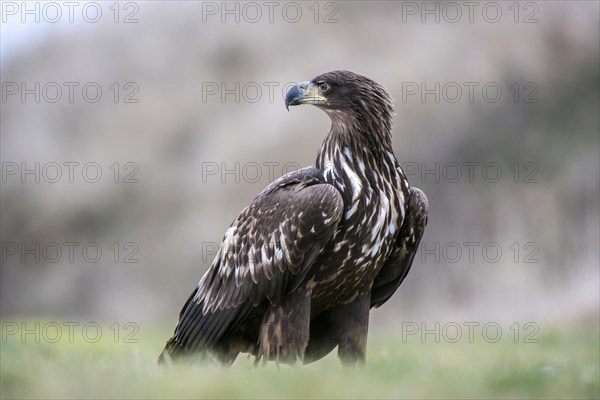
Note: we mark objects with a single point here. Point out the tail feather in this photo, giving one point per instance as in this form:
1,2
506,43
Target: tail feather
196,333
165,357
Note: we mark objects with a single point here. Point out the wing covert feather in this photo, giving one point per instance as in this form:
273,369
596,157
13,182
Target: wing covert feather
275,240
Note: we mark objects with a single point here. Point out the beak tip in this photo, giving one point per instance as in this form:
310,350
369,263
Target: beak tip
293,95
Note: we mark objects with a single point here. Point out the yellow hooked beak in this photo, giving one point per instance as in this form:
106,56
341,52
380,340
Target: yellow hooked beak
303,93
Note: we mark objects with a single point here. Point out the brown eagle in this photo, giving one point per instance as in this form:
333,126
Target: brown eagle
300,268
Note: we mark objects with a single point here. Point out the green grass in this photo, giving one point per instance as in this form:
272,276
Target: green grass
564,364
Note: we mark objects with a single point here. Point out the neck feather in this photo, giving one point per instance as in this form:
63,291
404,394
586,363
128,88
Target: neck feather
365,140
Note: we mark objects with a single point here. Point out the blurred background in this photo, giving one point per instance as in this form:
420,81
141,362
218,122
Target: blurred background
133,133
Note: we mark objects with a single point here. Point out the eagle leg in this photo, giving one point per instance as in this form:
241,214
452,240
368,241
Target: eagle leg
323,338
352,324
284,331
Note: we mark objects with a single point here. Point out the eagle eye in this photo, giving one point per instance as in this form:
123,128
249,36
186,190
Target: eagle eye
324,87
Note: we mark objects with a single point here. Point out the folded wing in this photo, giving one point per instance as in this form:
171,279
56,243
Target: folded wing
265,254
398,264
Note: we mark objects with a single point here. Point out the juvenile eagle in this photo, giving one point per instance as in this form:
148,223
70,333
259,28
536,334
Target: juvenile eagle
300,268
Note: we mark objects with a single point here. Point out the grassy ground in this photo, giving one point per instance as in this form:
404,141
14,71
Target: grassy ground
563,364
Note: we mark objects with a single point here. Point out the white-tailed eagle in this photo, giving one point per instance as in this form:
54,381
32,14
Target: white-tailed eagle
300,268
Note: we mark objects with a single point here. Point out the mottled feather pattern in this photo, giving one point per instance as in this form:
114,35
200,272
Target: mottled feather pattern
276,236
400,260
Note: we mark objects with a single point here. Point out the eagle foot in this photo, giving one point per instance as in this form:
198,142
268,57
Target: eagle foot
284,332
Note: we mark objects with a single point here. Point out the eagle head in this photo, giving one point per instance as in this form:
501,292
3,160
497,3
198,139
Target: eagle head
343,93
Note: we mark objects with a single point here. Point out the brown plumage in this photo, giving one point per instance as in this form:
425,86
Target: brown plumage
300,268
